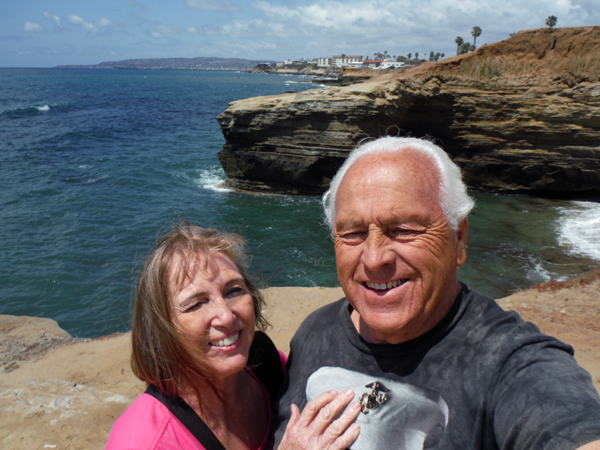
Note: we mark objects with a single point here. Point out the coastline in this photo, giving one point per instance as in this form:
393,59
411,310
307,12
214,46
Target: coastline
65,393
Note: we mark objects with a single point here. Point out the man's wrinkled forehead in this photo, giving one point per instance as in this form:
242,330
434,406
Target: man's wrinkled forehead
409,166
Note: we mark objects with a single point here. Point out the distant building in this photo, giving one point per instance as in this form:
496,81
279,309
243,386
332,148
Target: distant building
347,61
370,63
381,64
324,62
387,64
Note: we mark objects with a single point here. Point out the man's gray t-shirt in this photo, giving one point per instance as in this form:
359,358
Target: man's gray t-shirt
481,379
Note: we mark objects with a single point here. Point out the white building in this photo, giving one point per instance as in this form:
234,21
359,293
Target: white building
324,62
347,61
386,64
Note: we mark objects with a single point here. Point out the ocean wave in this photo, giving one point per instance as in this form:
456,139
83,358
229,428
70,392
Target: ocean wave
579,229
25,111
212,179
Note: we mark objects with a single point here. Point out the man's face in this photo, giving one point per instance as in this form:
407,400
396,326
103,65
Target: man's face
396,254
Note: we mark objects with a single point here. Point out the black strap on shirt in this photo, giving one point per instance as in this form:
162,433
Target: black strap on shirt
188,417
264,362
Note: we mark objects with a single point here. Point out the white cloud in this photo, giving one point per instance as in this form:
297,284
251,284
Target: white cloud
32,27
167,29
212,5
57,21
75,19
103,22
89,27
192,30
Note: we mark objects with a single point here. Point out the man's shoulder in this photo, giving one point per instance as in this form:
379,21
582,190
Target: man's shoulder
484,324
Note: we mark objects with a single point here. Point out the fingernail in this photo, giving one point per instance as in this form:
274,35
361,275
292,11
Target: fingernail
349,392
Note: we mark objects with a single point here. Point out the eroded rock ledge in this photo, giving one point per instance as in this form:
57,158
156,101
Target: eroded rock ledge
521,115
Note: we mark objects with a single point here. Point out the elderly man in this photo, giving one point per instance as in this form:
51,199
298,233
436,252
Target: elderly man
433,364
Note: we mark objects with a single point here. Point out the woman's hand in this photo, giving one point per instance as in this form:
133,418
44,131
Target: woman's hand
316,429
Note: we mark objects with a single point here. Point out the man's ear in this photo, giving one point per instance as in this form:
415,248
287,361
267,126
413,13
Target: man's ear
461,242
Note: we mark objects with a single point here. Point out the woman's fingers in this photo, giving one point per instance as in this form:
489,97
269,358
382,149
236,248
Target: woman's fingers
333,409
343,431
314,408
325,423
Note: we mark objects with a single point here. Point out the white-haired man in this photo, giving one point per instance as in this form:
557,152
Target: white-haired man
433,364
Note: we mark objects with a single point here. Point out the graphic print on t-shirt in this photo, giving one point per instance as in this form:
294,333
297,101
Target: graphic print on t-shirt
394,415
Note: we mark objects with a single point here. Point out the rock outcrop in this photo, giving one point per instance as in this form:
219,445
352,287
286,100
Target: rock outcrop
521,115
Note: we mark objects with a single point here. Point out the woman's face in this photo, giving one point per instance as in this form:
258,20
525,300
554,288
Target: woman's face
215,313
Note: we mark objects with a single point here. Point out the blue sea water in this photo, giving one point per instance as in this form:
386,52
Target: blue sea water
95,164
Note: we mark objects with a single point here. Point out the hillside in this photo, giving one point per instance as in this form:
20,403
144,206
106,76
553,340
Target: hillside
519,116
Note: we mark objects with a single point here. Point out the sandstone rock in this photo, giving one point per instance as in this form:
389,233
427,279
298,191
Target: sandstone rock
521,115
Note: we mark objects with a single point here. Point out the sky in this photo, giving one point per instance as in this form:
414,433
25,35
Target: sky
46,33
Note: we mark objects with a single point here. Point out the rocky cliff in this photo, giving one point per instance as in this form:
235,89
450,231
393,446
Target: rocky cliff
521,115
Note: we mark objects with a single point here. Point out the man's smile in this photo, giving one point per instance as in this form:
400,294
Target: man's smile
385,286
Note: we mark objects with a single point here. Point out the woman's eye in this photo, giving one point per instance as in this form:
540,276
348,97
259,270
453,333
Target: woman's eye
195,306
234,292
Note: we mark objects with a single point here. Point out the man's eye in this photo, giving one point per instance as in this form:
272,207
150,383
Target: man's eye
354,235
403,232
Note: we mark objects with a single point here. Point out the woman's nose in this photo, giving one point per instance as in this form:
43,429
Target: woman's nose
224,316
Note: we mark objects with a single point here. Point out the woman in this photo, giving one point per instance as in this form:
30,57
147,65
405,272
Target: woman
195,315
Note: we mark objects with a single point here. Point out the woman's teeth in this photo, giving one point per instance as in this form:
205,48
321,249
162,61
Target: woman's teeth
385,286
227,341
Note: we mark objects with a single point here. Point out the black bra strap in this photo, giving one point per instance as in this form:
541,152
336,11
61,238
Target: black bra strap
265,364
188,417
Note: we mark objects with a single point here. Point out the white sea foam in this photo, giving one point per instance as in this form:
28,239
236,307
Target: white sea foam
539,274
579,229
43,108
212,179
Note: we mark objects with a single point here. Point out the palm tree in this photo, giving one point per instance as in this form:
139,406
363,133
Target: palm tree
409,55
475,33
459,41
416,55
551,21
442,56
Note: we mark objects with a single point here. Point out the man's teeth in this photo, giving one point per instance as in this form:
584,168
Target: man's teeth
227,341
385,286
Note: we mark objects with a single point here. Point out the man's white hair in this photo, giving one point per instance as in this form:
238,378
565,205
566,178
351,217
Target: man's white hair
453,198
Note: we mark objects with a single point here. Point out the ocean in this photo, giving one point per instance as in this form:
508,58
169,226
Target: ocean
95,164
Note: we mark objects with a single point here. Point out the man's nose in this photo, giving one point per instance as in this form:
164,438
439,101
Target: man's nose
377,252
